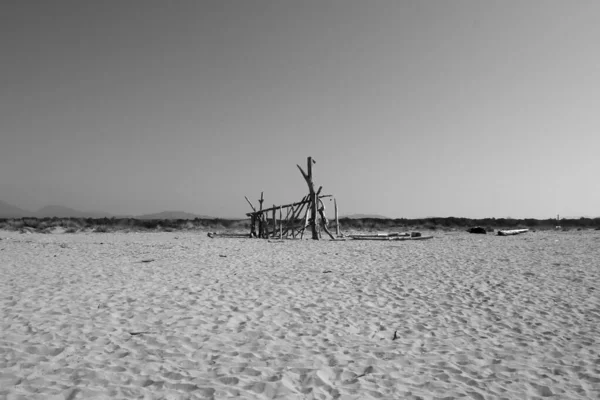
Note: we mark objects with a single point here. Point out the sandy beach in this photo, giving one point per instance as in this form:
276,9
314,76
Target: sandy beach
456,317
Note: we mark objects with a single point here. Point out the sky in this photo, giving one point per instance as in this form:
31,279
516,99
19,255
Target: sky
410,109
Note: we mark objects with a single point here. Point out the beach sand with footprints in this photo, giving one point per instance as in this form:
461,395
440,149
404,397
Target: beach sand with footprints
181,316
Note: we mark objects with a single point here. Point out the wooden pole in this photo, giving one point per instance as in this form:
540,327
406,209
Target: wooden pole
337,221
258,223
274,221
280,225
317,225
260,217
251,206
313,196
315,199
252,227
319,206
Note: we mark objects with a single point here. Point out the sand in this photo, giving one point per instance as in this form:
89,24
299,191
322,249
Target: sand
457,317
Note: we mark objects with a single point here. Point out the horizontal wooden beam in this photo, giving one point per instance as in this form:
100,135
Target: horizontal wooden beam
285,206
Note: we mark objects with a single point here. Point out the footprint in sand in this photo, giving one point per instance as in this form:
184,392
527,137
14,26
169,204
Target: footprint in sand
229,380
250,372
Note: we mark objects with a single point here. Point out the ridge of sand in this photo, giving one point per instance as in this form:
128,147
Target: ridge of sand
460,316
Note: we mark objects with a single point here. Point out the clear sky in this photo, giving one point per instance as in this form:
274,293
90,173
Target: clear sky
410,108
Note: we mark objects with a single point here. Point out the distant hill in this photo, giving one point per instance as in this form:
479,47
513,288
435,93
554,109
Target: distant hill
172,215
66,212
361,216
10,211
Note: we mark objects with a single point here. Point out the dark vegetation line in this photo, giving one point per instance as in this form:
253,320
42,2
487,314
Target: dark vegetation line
72,225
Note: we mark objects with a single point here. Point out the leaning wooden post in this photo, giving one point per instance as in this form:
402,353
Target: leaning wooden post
290,211
296,212
337,222
253,209
313,197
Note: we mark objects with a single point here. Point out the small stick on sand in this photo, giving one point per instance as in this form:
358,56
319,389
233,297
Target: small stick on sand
368,370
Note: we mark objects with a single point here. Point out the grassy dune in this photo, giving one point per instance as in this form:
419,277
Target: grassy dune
73,225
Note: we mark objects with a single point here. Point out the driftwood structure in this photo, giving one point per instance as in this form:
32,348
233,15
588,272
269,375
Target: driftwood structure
292,220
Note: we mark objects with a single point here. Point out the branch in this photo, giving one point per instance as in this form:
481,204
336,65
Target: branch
253,209
302,172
